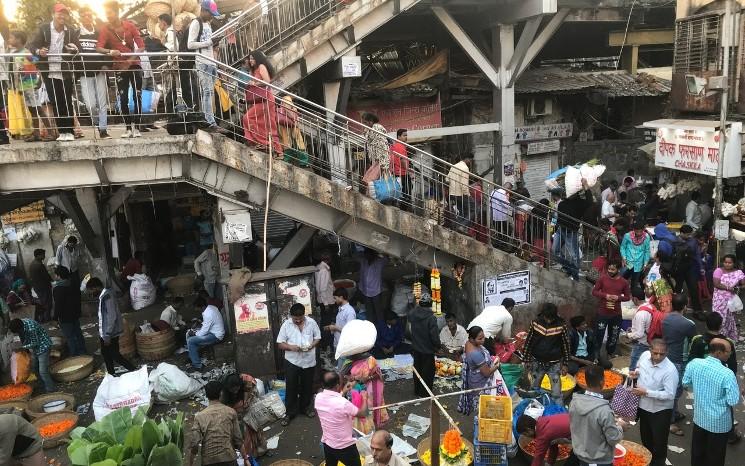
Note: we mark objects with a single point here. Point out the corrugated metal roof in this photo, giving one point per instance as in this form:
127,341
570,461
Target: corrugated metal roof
616,83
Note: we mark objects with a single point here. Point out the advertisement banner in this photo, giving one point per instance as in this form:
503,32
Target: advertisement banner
515,285
412,114
251,313
697,150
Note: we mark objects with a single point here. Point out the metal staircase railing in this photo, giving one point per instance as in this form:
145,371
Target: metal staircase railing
269,24
315,138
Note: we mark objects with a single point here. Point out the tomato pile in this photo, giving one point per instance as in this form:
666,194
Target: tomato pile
631,459
11,392
564,450
56,428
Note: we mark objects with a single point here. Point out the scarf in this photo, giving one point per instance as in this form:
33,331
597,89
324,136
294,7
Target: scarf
637,240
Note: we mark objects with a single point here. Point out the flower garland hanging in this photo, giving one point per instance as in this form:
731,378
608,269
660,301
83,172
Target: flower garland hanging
458,271
436,291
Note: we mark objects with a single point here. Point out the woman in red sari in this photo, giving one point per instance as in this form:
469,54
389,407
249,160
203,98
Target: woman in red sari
260,121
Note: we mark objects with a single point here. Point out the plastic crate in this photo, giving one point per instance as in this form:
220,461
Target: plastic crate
486,454
493,431
495,407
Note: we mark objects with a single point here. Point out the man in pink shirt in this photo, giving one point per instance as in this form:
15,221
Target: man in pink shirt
336,414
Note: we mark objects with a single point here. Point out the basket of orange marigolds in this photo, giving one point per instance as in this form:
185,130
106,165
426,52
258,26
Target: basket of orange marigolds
527,446
612,379
15,392
631,454
54,428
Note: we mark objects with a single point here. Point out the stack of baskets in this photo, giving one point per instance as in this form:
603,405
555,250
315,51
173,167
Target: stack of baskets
492,431
157,345
180,10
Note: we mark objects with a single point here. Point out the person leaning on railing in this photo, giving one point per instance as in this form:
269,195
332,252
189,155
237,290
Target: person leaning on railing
49,43
93,78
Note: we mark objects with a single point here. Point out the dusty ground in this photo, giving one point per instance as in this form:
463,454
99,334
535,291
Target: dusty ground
301,439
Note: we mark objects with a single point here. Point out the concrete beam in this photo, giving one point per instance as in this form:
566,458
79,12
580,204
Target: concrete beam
299,241
431,133
72,208
473,52
521,49
543,37
513,12
641,37
117,199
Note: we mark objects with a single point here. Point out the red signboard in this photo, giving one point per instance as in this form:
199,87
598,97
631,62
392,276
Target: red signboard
412,114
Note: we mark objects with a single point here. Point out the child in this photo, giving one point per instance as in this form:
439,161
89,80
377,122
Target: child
25,79
581,344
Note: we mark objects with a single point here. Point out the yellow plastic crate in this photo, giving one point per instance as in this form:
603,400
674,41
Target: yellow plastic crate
494,431
497,408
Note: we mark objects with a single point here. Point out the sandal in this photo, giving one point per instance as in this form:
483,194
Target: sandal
675,430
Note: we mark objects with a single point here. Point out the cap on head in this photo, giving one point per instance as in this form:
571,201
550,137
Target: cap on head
60,7
211,6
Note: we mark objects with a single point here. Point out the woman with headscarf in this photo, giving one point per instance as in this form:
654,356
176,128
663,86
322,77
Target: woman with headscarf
19,295
478,370
239,392
363,370
260,121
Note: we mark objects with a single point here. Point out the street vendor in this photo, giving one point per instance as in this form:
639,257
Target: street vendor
453,338
239,392
390,339
496,322
20,442
381,445
35,339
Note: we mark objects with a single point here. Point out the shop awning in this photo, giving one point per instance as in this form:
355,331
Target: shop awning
689,125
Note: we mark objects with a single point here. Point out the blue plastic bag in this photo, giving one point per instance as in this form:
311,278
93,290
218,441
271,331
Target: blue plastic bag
387,188
147,100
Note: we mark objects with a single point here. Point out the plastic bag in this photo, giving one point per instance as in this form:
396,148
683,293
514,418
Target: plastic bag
356,337
142,291
20,366
387,188
130,390
572,181
171,383
534,409
735,304
268,408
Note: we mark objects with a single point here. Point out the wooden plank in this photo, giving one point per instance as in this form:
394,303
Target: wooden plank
641,37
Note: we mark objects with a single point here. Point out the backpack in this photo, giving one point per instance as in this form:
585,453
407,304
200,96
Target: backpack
655,325
682,256
182,39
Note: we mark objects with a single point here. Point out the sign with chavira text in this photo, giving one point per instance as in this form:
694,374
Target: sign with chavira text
697,150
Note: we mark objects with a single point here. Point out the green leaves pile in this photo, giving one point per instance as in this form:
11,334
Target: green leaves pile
120,439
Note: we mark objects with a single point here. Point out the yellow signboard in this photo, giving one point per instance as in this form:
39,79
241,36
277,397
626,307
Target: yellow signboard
29,213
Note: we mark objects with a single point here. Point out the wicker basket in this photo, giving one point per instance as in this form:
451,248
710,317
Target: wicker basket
523,442
19,407
127,346
182,20
20,398
35,407
157,345
183,285
424,446
155,8
86,363
607,393
51,442
638,450
153,28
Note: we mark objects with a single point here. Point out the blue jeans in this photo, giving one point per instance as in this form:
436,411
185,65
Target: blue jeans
679,391
207,74
636,352
566,248
41,368
194,343
74,337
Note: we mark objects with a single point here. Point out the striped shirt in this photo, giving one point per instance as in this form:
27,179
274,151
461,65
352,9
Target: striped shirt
35,337
714,391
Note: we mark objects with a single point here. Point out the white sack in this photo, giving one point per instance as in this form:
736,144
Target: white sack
142,291
171,383
357,336
130,390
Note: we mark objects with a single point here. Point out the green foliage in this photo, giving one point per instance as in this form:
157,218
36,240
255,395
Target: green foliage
120,439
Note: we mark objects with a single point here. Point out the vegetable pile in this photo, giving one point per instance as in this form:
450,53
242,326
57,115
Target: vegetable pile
567,383
631,459
11,392
56,428
452,448
121,439
611,379
564,450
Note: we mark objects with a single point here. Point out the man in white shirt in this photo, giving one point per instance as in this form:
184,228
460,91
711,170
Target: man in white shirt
381,445
640,324
212,331
344,315
170,74
611,189
298,338
203,44
693,212
458,189
453,337
496,321
656,382
207,267
501,213
607,211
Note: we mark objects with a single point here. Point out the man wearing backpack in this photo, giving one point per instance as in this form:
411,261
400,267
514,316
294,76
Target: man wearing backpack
200,41
687,268
700,349
646,324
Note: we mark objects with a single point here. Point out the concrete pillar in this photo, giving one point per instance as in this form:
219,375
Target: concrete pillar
102,263
503,102
333,95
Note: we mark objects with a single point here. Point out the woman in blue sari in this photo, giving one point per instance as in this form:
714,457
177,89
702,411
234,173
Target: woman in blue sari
478,370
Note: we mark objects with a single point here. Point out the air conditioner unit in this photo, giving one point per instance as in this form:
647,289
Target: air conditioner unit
539,107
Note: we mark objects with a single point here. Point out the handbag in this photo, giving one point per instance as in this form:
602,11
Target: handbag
372,173
387,188
256,94
735,304
624,402
19,118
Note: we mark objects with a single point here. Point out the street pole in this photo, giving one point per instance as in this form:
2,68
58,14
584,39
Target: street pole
726,37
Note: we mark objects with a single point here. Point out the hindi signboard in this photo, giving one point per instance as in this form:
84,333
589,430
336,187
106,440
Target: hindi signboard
29,213
541,147
538,132
696,150
413,114
515,285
